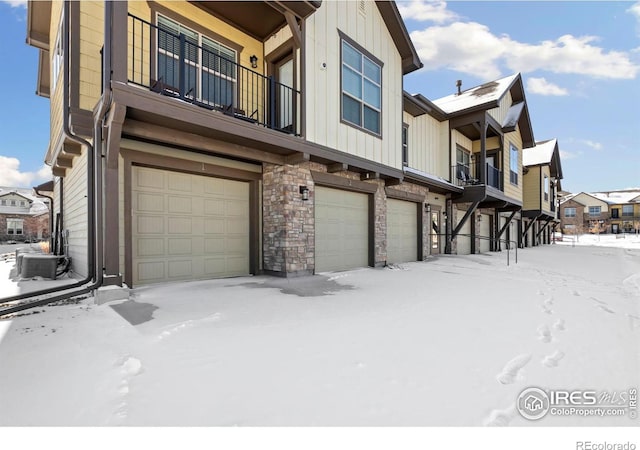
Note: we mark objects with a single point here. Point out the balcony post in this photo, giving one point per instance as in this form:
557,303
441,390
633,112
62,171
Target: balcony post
483,151
118,37
272,101
182,69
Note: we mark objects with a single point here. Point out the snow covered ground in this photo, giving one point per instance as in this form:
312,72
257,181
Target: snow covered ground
450,341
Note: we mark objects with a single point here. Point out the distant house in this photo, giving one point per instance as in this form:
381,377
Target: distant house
584,213
625,210
23,216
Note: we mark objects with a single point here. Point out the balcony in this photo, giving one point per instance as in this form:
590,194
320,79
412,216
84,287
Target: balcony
468,175
178,66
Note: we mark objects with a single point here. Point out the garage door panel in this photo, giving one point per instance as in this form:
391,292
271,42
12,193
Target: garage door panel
402,231
342,239
150,224
204,233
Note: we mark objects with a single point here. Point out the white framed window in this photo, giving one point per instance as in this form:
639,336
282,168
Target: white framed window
513,164
14,226
57,55
627,210
570,212
594,210
211,67
3,202
546,188
361,86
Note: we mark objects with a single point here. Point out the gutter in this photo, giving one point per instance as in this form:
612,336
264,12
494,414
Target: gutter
93,280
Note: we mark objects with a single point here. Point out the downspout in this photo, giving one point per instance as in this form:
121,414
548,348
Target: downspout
93,280
39,194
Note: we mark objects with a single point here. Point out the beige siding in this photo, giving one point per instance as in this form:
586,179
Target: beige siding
75,213
277,39
587,201
511,190
55,97
91,41
532,189
428,140
323,124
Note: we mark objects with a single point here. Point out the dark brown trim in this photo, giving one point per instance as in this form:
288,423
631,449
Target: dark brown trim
119,36
141,159
43,85
392,19
338,182
403,195
344,37
81,122
157,8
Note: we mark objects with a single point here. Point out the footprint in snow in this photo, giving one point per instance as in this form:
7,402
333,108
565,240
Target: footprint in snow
546,309
512,369
544,334
597,301
576,293
129,368
605,309
553,359
559,325
500,417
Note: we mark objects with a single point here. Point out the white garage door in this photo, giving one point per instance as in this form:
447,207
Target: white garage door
485,233
464,242
402,231
342,229
188,226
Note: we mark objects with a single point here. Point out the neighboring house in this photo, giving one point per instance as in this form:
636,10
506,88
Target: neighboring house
624,207
489,126
23,216
226,142
542,175
584,213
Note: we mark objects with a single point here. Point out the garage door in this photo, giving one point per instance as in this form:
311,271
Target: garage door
342,229
188,226
485,232
402,231
464,242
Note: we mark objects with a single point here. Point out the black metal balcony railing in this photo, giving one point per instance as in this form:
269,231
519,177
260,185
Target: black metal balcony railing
177,66
467,174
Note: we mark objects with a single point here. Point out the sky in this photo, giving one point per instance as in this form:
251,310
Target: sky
580,61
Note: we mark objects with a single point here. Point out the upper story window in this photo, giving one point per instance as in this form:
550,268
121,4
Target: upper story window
13,203
3,202
57,56
627,210
405,145
513,164
594,210
546,188
570,212
361,85
463,161
615,213
14,226
210,67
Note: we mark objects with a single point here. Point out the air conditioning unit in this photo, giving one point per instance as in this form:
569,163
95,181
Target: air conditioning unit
35,265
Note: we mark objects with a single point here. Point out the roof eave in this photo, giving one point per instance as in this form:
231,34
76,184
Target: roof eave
393,20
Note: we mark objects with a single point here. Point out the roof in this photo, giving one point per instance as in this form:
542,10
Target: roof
400,35
541,153
485,94
417,105
37,205
618,197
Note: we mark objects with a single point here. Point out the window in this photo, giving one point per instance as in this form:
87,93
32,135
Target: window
546,188
463,158
615,213
57,56
405,145
513,164
594,210
361,89
569,212
13,203
627,210
3,202
22,203
14,226
210,67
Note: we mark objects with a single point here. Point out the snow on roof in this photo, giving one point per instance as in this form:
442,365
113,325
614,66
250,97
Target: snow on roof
513,115
37,204
429,176
476,96
541,153
617,197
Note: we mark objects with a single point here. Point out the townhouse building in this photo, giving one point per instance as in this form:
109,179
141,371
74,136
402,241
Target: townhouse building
584,213
23,216
195,140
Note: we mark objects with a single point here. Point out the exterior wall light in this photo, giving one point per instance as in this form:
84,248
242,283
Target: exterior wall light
253,59
427,207
305,192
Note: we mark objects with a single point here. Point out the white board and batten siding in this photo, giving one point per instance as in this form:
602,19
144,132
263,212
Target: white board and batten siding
323,69
342,229
402,231
188,226
428,140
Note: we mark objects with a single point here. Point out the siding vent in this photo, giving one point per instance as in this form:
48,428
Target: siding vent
361,6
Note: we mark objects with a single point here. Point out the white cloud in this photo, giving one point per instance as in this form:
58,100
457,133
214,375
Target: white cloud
472,48
15,3
564,155
635,10
10,174
592,144
543,87
426,11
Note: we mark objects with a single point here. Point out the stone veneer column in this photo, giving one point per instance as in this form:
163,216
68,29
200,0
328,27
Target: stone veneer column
288,221
380,225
